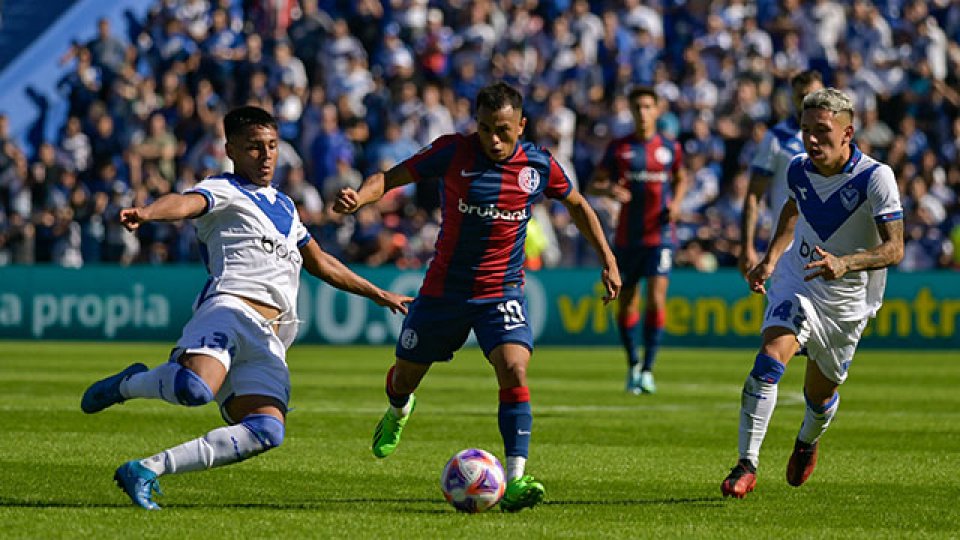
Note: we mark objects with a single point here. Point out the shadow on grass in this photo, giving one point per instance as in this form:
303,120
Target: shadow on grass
325,503
692,501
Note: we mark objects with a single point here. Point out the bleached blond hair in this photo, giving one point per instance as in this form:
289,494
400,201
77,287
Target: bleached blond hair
829,99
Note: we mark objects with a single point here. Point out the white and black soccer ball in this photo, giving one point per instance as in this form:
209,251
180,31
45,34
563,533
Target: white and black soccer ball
473,480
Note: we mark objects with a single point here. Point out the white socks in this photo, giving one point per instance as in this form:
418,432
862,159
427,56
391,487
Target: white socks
756,408
221,446
515,466
817,418
400,412
158,383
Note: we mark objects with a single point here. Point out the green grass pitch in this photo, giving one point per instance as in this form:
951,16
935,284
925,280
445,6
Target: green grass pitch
614,465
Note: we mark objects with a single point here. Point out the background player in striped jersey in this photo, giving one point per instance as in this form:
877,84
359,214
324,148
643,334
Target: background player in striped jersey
488,183
845,220
768,169
643,172
233,349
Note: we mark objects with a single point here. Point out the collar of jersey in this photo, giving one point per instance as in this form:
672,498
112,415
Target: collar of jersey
855,156
241,182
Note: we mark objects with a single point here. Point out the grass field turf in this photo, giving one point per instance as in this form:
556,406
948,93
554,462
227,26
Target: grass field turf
614,465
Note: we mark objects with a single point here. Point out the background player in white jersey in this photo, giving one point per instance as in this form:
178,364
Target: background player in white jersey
233,349
768,169
844,218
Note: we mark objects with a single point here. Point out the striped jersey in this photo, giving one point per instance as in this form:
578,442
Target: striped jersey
249,241
648,169
485,207
779,145
840,213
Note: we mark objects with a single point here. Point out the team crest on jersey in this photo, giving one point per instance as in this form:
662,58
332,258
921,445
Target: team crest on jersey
849,197
409,338
529,179
663,155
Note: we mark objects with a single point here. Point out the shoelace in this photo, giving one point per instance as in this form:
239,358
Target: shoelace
150,486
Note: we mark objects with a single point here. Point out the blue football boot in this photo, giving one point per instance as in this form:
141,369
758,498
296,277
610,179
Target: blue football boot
106,392
139,483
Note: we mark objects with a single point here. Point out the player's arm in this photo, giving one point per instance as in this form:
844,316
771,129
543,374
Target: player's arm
326,267
680,185
888,252
748,221
589,225
170,207
372,190
758,275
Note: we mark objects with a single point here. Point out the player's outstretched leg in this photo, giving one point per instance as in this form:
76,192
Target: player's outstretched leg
802,462
741,480
139,483
386,436
522,492
106,392
257,433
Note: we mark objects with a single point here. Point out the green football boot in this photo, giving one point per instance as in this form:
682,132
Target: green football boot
387,435
523,492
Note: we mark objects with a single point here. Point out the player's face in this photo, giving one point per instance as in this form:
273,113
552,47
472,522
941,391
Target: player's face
499,131
254,153
826,138
645,112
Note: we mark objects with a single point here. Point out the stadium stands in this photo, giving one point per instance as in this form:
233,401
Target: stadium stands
358,86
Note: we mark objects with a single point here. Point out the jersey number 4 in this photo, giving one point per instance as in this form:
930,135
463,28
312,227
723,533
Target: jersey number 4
784,311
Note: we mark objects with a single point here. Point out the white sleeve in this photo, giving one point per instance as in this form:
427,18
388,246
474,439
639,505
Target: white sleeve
300,232
764,160
795,166
217,191
884,195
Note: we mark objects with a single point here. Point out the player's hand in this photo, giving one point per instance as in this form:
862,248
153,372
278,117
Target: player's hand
132,218
747,260
611,281
673,212
829,267
758,275
396,303
620,193
348,201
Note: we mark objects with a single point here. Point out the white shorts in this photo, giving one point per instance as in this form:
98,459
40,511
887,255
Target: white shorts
830,343
226,328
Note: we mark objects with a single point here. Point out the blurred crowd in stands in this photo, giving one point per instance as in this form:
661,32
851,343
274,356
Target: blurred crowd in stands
360,85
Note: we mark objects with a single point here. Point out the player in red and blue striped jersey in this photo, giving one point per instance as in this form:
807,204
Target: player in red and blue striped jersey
643,171
488,183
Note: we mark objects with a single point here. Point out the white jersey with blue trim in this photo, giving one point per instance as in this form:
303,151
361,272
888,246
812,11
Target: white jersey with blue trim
779,145
249,240
840,214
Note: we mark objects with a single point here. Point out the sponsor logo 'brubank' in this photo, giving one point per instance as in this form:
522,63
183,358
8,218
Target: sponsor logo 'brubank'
648,176
492,212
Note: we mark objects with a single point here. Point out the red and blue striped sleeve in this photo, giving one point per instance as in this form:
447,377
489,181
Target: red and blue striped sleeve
433,160
559,184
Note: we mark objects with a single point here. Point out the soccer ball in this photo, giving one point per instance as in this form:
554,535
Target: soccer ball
473,481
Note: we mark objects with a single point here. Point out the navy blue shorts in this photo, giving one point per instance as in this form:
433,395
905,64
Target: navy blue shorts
435,328
642,262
